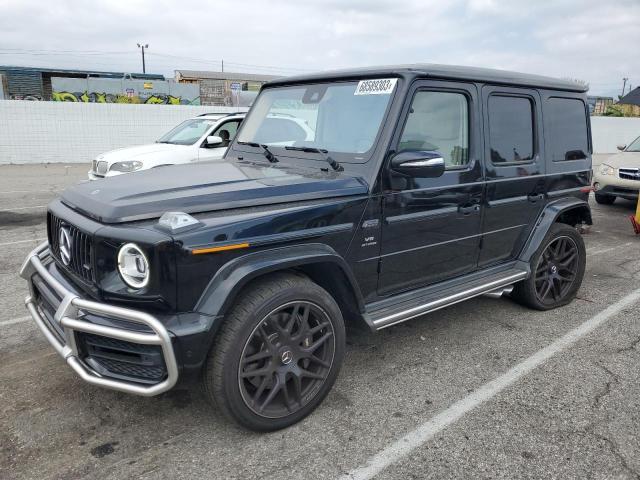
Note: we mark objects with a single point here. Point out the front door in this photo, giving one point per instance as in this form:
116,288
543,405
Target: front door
226,131
431,226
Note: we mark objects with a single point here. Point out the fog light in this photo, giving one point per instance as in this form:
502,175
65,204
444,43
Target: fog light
133,266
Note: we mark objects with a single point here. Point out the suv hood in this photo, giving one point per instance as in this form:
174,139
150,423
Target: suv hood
135,153
624,160
204,187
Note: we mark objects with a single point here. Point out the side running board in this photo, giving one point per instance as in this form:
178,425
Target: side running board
431,300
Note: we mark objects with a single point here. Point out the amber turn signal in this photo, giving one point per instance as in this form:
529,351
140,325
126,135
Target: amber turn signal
223,248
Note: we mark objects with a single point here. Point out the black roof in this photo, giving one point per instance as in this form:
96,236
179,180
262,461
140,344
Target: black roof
631,98
453,72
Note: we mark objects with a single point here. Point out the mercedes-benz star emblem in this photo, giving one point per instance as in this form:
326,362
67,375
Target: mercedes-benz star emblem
287,357
65,245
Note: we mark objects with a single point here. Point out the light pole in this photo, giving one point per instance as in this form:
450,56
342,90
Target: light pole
142,46
624,84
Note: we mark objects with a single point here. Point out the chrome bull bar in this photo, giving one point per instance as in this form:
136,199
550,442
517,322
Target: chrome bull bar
69,316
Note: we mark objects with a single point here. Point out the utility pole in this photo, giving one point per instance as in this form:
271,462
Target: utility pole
624,85
222,65
142,46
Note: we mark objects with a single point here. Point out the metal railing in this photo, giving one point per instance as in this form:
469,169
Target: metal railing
69,315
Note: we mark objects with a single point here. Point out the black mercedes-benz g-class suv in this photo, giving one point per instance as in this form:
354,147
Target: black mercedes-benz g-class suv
388,193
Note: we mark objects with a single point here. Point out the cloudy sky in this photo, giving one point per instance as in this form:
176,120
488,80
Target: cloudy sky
597,41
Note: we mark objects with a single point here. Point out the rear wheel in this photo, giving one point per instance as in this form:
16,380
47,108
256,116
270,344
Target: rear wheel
278,353
557,269
603,199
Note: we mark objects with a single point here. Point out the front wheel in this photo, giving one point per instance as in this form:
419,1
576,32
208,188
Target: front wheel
557,269
277,354
604,199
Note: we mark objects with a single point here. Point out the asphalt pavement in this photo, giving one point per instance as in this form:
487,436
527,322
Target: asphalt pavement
482,389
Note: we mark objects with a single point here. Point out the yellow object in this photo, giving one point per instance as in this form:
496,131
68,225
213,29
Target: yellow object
223,248
635,219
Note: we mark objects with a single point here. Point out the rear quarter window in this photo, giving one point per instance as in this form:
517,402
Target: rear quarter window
567,122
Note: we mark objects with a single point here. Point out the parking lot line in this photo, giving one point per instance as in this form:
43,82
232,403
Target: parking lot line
22,208
426,431
9,192
15,320
21,241
605,250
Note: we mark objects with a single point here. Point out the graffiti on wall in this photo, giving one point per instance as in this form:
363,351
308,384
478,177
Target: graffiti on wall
103,97
103,90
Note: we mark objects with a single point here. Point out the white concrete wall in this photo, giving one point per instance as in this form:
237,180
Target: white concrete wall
608,132
43,132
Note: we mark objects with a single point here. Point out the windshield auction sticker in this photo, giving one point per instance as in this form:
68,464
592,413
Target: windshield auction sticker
378,86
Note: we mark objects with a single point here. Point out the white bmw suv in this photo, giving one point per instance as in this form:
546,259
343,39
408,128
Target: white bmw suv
205,137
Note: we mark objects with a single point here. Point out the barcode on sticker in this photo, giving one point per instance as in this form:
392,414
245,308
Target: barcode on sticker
379,86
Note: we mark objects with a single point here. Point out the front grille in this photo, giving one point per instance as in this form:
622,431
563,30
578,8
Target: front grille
118,358
102,168
78,256
629,173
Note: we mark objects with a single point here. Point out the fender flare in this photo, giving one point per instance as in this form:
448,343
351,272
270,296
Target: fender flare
548,217
229,280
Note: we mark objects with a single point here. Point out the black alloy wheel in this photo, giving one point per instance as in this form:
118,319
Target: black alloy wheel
286,359
556,270
277,354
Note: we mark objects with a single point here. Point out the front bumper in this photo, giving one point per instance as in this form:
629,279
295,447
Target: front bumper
616,191
93,175
71,316
615,186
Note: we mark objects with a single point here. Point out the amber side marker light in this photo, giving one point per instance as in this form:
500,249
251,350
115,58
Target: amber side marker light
223,248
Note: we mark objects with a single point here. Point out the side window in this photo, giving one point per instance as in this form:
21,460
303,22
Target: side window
568,136
438,121
227,131
510,129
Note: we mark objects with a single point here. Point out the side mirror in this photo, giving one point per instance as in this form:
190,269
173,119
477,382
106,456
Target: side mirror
214,141
621,147
419,164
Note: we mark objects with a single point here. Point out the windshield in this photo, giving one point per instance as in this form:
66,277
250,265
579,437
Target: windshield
635,146
343,118
187,133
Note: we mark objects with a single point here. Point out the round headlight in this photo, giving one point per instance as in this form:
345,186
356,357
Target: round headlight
133,266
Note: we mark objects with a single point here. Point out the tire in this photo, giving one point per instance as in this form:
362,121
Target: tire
556,275
604,199
290,332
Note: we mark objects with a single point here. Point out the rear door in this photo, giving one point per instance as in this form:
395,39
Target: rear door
514,170
431,226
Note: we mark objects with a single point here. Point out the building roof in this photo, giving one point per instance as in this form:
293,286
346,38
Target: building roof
93,73
247,77
453,72
631,98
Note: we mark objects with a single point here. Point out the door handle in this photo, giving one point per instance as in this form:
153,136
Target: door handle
469,209
534,197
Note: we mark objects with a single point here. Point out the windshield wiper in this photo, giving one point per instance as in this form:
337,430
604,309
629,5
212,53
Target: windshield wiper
325,156
265,150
